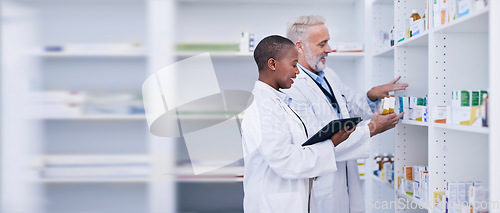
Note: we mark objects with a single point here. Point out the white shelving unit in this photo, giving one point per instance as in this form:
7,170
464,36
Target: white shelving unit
457,55
92,55
34,24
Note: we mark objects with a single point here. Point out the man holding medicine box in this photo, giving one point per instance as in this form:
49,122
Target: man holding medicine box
319,97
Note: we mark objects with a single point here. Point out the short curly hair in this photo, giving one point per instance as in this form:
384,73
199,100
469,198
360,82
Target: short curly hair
273,46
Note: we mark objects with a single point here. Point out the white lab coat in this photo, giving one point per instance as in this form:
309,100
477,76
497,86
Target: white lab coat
277,167
330,192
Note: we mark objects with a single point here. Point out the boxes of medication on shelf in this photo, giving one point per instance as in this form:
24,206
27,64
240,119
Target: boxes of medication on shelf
414,182
466,107
63,166
461,196
384,167
114,103
347,47
76,103
95,47
416,24
248,42
466,7
439,201
55,103
414,108
441,114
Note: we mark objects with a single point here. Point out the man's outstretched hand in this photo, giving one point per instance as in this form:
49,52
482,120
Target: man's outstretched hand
382,91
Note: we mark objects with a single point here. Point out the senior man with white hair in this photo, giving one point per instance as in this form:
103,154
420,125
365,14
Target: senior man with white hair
320,96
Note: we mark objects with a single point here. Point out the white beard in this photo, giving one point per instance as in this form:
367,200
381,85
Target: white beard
315,61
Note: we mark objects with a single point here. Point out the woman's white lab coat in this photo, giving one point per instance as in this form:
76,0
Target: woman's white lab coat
330,191
277,168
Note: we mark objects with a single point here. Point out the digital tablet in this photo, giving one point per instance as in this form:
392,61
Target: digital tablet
331,128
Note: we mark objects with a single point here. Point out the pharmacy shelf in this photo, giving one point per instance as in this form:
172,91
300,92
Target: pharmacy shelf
383,1
224,174
87,159
463,128
228,170
346,55
94,180
185,54
91,54
92,117
421,40
208,179
477,22
415,123
208,115
383,182
412,199
388,52
90,161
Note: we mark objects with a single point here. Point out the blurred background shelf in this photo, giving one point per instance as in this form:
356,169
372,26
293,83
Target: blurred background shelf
95,180
92,55
94,117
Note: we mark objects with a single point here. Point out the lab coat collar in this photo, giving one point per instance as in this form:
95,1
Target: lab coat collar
312,84
280,95
316,76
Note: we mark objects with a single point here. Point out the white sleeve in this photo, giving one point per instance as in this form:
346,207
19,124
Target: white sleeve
288,160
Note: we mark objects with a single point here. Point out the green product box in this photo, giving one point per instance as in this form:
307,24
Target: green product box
475,98
483,95
464,98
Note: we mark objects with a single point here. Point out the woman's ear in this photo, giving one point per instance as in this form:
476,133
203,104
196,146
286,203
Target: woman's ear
271,63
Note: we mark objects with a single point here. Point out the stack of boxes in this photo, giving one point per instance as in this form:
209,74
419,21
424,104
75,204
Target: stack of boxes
466,107
414,108
415,182
462,197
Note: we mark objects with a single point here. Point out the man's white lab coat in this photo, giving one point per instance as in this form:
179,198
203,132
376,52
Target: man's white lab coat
335,192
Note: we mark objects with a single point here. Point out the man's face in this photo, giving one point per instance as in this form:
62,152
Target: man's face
317,48
286,68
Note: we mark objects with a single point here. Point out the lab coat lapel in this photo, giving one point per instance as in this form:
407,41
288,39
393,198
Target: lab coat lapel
312,85
338,94
291,113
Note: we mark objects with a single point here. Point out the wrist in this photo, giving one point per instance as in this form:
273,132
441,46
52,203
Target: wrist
371,96
371,126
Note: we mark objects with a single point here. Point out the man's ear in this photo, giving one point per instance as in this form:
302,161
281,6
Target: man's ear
271,63
300,46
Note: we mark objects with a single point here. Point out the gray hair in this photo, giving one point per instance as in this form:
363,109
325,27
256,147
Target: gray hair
297,29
